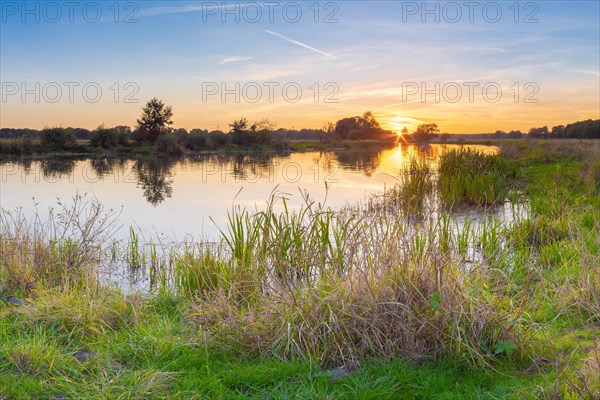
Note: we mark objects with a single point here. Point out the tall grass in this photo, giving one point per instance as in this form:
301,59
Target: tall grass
470,177
343,286
61,250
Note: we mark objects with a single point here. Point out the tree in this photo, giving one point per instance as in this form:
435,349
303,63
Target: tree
369,121
444,137
123,133
104,137
60,138
365,127
557,131
239,126
425,132
326,131
536,133
154,122
265,124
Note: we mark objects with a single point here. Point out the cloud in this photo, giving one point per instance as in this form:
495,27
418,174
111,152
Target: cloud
298,43
231,59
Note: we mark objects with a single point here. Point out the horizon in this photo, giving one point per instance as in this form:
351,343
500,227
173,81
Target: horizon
209,61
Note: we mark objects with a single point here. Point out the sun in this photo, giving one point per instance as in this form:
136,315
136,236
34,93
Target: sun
398,124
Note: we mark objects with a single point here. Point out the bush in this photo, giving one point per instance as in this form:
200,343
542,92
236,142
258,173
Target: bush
194,141
105,138
167,145
58,138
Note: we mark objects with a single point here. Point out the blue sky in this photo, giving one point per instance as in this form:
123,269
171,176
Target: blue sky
368,57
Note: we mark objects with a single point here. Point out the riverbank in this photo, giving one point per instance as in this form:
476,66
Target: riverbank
390,304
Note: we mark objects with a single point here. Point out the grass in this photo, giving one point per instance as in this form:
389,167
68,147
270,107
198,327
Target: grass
415,299
473,178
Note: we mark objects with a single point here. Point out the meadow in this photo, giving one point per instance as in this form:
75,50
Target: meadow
398,296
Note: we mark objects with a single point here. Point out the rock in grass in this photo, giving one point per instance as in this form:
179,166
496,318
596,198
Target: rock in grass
339,373
60,396
19,302
85,355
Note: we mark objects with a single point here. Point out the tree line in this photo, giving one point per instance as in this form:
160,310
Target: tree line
154,130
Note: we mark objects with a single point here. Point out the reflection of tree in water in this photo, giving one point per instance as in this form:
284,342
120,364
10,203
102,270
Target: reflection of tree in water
155,178
106,165
24,163
244,167
366,161
55,168
252,167
421,151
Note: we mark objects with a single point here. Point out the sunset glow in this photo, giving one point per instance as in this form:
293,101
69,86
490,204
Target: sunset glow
214,67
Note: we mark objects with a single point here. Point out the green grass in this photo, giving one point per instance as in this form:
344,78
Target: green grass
395,295
159,356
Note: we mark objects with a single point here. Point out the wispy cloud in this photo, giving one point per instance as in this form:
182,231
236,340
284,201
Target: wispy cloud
298,43
164,10
232,59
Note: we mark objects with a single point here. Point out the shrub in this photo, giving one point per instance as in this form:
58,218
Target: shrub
58,138
105,137
167,145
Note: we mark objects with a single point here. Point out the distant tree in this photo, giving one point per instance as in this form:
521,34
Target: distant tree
154,122
81,133
104,137
369,121
326,131
265,124
500,134
124,133
538,133
514,134
444,137
425,132
589,129
557,132
365,127
58,138
239,126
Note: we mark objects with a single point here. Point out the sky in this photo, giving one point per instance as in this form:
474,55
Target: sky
470,67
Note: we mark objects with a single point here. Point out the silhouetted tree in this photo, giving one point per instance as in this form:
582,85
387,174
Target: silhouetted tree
104,137
557,132
154,122
58,138
239,126
538,133
365,127
425,132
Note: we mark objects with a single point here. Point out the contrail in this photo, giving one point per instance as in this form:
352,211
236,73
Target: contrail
287,39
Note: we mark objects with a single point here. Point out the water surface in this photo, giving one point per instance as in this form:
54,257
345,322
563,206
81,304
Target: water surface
190,197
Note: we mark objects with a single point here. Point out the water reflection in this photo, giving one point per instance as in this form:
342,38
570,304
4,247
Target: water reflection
155,176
